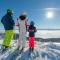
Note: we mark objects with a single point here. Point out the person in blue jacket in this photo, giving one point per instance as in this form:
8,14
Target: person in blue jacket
8,23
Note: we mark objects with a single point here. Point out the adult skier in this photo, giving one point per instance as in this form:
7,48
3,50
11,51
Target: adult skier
31,30
22,24
8,23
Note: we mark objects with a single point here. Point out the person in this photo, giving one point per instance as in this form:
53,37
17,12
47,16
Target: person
31,39
8,23
22,24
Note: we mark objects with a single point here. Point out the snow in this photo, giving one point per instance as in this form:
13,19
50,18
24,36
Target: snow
43,51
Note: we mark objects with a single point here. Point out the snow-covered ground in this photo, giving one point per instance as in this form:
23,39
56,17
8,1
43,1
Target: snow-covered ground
43,51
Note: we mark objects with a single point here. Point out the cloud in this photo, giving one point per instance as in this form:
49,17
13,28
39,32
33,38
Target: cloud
48,34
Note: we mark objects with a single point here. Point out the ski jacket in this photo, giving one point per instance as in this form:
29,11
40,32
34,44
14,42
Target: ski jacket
22,24
31,31
8,22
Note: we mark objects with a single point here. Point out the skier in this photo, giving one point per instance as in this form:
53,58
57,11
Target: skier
31,30
8,24
22,24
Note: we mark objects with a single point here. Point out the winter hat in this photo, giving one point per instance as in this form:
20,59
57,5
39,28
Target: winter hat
31,23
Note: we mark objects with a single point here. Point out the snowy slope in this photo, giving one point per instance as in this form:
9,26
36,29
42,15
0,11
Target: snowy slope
43,51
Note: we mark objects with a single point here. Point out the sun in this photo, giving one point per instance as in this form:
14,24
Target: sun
49,14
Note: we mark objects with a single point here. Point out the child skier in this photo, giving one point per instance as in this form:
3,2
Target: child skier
8,24
22,24
31,30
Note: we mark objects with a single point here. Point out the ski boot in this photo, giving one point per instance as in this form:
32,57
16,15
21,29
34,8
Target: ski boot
4,48
32,49
20,49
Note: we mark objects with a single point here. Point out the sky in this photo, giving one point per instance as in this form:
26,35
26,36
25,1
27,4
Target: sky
37,11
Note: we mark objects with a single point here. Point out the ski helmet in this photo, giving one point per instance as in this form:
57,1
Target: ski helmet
24,13
9,11
23,16
32,23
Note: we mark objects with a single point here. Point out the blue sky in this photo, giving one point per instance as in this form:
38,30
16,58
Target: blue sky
36,10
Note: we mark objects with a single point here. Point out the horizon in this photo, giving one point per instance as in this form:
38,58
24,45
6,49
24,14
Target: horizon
42,33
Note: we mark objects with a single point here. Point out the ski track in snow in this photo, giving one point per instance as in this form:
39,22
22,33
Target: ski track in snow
49,51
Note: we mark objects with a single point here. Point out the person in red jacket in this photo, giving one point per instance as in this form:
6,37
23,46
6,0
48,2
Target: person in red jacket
31,30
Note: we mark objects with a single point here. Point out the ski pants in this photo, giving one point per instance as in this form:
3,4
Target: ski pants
31,42
8,38
22,39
